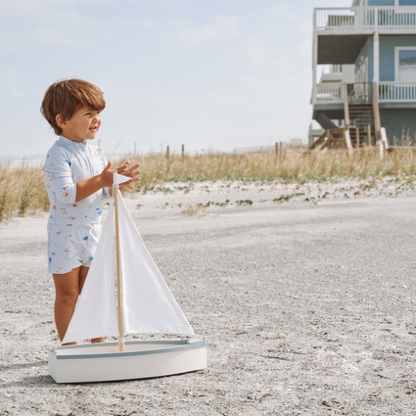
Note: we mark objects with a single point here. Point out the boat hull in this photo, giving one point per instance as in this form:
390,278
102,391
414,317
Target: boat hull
143,359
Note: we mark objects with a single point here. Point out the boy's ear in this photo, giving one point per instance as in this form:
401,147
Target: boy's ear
60,121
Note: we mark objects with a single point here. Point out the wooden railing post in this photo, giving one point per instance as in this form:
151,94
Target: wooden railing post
167,153
183,150
381,149
376,110
347,119
369,135
357,137
383,135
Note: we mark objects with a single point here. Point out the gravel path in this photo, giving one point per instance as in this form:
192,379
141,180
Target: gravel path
309,310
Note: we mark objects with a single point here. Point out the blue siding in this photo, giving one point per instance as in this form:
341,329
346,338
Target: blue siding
387,3
387,54
398,123
391,3
381,2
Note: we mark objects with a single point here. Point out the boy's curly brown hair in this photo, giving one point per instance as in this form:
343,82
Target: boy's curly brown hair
67,96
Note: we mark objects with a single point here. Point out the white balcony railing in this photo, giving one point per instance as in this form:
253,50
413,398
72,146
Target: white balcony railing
397,92
388,92
385,19
329,93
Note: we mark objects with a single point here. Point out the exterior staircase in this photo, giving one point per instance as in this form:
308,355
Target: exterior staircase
361,124
361,120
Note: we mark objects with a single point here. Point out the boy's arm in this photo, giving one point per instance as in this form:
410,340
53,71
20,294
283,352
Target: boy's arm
104,180
58,175
86,188
59,178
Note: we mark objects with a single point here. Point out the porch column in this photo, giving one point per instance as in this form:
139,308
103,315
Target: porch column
376,57
314,59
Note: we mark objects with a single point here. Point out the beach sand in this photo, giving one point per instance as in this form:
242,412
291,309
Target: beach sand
308,304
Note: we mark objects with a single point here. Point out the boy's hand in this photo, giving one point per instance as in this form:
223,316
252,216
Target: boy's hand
131,172
107,176
89,186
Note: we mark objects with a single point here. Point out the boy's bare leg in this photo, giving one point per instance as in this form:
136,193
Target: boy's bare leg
83,271
67,291
68,287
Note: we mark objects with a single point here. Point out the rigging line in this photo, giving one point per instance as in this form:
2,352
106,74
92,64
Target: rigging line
112,153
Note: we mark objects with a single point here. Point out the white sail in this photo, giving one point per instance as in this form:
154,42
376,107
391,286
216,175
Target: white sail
117,178
95,313
149,306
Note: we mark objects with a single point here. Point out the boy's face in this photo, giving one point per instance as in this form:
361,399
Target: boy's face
82,126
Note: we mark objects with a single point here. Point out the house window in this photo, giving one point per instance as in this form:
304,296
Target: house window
406,64
407,2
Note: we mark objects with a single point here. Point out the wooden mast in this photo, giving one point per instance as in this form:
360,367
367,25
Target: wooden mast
121,346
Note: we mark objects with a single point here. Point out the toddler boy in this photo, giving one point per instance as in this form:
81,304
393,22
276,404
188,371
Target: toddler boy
78,177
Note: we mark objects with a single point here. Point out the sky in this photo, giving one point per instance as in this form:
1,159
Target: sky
209,74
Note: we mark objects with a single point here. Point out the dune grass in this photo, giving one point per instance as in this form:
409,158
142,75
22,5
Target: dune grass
22,188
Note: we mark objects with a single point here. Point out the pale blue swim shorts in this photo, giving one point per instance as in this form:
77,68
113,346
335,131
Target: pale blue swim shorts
71,246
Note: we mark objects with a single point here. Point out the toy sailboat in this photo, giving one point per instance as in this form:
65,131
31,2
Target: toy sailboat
144,305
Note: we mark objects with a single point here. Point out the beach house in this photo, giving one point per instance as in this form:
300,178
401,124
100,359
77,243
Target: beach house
369,53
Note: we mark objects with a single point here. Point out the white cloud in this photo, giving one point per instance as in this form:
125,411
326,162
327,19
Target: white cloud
257,83
276,12
8,81
223,26
264,56
18,8
54,26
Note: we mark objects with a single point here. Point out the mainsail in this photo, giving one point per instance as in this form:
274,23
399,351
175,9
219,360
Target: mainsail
148,304
95,312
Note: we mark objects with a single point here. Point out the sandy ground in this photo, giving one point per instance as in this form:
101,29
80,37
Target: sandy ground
308,304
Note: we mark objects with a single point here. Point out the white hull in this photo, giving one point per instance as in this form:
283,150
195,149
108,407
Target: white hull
143,359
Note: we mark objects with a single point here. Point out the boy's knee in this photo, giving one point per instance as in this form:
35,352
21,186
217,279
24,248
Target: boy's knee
68,296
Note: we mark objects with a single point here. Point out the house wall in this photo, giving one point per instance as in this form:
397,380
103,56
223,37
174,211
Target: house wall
387,54
381,3
394,120
397,120
385,3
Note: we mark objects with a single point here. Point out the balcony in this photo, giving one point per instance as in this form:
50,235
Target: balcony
388,92
397,92
365,20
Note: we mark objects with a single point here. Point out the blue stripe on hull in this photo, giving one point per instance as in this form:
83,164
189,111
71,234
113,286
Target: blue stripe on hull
177,345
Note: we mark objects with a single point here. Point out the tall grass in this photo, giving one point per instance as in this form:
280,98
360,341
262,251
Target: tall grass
293,166
22,189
